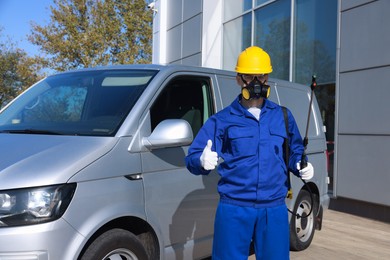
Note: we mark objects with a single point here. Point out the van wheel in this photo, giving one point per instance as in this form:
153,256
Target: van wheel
115,244
302,228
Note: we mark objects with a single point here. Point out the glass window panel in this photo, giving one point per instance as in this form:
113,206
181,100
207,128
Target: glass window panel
315,41
315,53
236,37
91,103
187,98
272,33
234,8
259,2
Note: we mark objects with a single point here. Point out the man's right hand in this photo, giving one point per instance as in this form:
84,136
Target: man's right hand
209,159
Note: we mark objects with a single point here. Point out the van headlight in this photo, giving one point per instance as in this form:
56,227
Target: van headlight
36,205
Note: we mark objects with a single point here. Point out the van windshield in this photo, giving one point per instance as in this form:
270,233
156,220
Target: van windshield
92,103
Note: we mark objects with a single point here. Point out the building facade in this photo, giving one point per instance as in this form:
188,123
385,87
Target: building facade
362,139
342,42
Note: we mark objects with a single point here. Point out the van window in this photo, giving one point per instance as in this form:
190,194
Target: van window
185,98
63,103
93,103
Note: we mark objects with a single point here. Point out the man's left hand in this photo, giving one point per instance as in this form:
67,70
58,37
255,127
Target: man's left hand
306,173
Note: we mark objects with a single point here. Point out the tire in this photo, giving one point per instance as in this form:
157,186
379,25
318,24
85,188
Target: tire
302,228
115,244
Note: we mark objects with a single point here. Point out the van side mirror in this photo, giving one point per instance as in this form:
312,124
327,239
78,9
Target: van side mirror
169,133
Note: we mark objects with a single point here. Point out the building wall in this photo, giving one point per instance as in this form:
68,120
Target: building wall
177,27
363,125
212,29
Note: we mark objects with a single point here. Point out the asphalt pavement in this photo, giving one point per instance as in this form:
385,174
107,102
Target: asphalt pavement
345,236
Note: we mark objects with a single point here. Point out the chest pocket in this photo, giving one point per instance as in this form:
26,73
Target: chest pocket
243,142
277,137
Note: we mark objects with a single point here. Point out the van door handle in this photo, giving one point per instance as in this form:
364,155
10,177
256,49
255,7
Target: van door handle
134,177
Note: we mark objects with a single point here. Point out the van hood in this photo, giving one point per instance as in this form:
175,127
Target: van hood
39,160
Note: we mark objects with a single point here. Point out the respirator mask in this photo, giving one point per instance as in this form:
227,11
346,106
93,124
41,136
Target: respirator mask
255,88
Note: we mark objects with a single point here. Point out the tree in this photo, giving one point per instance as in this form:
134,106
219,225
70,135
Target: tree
17,70
88,33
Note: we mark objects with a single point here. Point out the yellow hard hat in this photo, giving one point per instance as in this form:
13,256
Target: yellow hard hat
254,60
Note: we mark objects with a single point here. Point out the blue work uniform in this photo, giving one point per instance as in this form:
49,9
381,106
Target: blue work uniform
253,183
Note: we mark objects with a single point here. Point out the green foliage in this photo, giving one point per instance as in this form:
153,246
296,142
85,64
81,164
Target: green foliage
17,71
88,33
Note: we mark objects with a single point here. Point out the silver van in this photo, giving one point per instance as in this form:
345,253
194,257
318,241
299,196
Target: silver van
92,164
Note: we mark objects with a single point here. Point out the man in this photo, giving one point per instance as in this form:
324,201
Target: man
248,136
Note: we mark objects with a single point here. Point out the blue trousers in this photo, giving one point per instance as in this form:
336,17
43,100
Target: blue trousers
235,227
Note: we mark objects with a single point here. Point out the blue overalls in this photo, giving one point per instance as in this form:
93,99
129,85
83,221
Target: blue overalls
253,183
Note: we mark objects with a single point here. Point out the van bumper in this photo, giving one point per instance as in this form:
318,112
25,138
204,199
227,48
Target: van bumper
54,240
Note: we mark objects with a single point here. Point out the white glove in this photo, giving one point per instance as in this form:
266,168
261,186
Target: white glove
306,173
209,159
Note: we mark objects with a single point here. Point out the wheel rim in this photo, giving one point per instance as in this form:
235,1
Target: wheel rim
304,225
120,254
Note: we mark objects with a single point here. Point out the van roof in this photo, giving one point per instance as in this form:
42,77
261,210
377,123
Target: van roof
169,67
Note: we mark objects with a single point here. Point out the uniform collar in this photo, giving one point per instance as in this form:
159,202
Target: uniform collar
238,109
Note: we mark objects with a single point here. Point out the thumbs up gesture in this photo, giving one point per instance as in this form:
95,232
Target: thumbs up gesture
209,159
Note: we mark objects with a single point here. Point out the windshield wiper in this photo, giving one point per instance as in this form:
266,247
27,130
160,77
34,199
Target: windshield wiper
30,131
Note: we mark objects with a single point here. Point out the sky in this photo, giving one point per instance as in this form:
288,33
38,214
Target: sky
15,18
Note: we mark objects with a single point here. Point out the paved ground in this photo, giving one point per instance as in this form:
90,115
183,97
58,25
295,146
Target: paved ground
344,236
